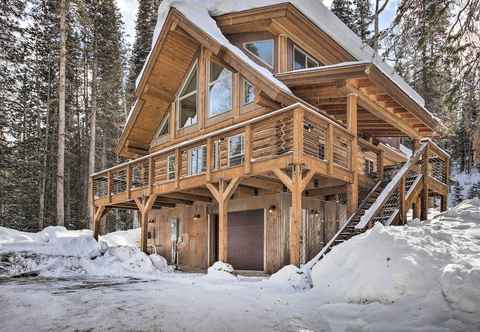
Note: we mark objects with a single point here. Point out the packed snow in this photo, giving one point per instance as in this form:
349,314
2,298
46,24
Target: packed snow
422,277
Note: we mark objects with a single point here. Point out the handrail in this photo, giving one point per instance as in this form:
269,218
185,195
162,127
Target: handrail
224,130
315,259
391,186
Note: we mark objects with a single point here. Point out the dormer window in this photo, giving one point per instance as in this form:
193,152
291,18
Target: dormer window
219,89
187,100
262,50
301,60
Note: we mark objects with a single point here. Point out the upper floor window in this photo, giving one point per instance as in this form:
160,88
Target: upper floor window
219,89
171,167
248,92
164,126
197,160
261,49
236,150
302,60
187,103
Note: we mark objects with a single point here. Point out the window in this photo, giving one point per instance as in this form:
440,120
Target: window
187,100
369,168
171,167
197,160
236,150
302,60
261,49
216,155
164,126
219,90
248,92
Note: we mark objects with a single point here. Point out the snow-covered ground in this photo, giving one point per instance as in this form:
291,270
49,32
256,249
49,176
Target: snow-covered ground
421,277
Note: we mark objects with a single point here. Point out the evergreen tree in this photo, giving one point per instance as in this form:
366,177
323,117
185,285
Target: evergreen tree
343,9
362,19
474,191
458,192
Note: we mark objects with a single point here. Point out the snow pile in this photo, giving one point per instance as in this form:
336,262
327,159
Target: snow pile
292,276
53,240
160,263
221,270
437,262
129,238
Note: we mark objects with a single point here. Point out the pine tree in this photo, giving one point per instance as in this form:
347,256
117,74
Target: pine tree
362,14
144,27
458,193
474,191
343,9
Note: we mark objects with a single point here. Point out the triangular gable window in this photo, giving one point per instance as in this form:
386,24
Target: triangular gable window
187,100
164,128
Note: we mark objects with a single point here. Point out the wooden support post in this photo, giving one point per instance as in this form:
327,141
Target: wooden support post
151,173
204,58
298,136
222,195
329,152
99,212
296,184
236,96
403,210
352,188
380,164
144,208
424,197
282,51
248,149
444,203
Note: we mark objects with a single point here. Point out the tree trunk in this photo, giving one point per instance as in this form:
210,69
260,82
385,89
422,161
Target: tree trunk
93,134
61,118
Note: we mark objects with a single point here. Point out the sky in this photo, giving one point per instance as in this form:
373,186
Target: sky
129,8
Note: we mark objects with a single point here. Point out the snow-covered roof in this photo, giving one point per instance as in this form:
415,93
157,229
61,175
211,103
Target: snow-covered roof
201,13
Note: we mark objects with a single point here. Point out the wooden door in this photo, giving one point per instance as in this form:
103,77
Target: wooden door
246,240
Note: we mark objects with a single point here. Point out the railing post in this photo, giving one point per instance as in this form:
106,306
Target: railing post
209,159
424,211
150,174
298,136
178,167
109,186
248,149
129,179
403,211
329,154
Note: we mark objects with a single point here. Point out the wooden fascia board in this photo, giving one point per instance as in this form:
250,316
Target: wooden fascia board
380,79
323,75
251,15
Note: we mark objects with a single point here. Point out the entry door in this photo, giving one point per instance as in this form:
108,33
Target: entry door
245,240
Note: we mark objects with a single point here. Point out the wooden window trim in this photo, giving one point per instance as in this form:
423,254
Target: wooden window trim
178,99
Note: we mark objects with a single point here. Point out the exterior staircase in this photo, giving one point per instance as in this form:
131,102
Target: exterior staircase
384,201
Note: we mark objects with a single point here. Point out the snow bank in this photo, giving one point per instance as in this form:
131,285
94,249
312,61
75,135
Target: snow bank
221,270
422,260
53,240
292,276
129,238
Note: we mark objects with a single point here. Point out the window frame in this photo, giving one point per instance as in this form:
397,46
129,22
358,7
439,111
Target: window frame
307,56
271,66
242,149
243,84
179,98
163,124
209,84
189,160
169,173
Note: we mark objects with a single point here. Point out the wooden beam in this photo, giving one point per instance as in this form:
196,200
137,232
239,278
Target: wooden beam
99,213
352,188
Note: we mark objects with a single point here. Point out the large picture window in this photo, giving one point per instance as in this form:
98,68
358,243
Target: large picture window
187,100
262,50
236,150
197,160
301,60
219,89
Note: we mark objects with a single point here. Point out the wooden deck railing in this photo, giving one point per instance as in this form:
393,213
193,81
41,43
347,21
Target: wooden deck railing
284,133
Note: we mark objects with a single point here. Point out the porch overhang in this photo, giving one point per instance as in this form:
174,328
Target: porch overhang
385,109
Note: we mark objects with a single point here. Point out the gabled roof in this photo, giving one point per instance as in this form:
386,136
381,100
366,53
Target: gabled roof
200,16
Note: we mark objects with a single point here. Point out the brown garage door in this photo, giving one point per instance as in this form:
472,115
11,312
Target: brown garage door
245,240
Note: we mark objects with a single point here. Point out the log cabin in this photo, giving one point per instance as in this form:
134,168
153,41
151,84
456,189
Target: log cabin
264,135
